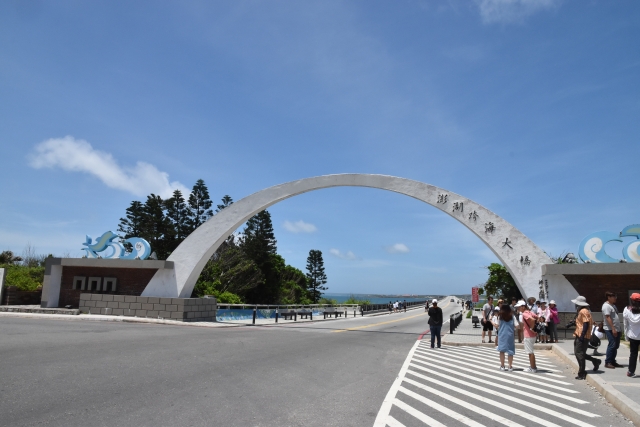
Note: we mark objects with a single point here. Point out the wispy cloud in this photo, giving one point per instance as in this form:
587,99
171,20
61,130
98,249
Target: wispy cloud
512,11
350,256
398,248
77,155
299,227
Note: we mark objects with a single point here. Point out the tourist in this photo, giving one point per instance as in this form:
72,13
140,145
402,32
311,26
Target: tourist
612,329
390,307
543,315
553,321
487,309
495,321
514,301
435,322
529,320
505,336
631,316
404,305
531,305
581,335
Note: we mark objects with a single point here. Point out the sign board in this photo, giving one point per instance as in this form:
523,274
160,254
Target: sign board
475,297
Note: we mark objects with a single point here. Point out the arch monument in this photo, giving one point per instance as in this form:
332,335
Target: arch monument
522,257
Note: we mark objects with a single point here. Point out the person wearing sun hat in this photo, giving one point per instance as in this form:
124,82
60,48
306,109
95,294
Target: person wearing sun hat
581,335
631,319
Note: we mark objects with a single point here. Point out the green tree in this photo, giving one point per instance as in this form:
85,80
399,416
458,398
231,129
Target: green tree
259,243
8,258
199,205
131,225
178,214
157,228
316,275
500,284
226,202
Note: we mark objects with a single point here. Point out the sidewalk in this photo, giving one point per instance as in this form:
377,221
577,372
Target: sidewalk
621,391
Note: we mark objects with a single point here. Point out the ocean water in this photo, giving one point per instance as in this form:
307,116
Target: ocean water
375,298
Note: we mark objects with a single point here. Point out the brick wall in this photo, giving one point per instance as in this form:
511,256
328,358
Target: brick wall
14,296
593,287
130,281
181,309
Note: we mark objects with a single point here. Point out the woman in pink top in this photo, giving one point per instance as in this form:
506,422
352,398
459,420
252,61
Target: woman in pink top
553,321
529,320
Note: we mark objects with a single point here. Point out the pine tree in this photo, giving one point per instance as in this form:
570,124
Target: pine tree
157,228
316,275
226,202
131,225
259,243
178,213
199,205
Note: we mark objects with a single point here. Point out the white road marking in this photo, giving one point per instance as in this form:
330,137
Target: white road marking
419,415
453,414
503,389
383,413
451,369
525,403
535,381
392,422
463,403
491,360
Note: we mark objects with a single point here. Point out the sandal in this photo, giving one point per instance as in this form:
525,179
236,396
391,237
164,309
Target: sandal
482,341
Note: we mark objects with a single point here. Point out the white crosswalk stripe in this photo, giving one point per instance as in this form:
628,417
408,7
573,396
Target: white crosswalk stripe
463,386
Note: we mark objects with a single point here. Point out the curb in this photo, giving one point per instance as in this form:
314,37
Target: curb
622,403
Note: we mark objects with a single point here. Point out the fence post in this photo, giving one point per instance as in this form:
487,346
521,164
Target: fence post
451,327
255,309
276,314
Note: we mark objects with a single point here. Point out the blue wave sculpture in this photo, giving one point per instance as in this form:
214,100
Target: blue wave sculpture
141,248
592,247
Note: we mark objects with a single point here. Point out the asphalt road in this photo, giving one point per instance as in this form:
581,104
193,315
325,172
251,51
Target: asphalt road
71,373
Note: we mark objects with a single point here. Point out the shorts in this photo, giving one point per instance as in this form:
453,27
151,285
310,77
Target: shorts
487,326
528,344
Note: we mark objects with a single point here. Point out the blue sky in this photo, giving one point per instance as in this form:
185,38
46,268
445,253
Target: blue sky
530,108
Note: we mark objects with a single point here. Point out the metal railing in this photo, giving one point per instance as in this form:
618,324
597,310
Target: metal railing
454,321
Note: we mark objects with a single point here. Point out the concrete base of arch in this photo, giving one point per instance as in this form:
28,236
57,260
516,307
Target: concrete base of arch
518,253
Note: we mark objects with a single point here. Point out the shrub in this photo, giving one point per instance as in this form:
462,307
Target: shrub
24,278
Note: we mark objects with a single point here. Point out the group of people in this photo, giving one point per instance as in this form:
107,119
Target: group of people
546,319
612,328
533,321
396,307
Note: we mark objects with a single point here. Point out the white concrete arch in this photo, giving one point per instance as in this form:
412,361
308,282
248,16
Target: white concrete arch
192,254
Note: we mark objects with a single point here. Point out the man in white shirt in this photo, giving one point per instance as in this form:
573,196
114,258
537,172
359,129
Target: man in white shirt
487,310
612,329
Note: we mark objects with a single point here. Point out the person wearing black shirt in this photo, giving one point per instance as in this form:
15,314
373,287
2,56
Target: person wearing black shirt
435,322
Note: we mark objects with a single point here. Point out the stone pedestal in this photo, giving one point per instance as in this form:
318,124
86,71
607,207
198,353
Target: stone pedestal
180,309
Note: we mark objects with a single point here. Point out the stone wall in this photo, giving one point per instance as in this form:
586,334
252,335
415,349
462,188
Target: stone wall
130,281
180,309
14,296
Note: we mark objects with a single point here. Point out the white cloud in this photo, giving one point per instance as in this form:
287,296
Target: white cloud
77,155
350,256
512,11
398,248
300,227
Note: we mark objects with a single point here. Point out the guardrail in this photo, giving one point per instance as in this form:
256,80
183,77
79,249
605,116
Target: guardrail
377,308
273,311
454,321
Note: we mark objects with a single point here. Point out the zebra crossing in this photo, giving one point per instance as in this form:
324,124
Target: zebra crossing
454,386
